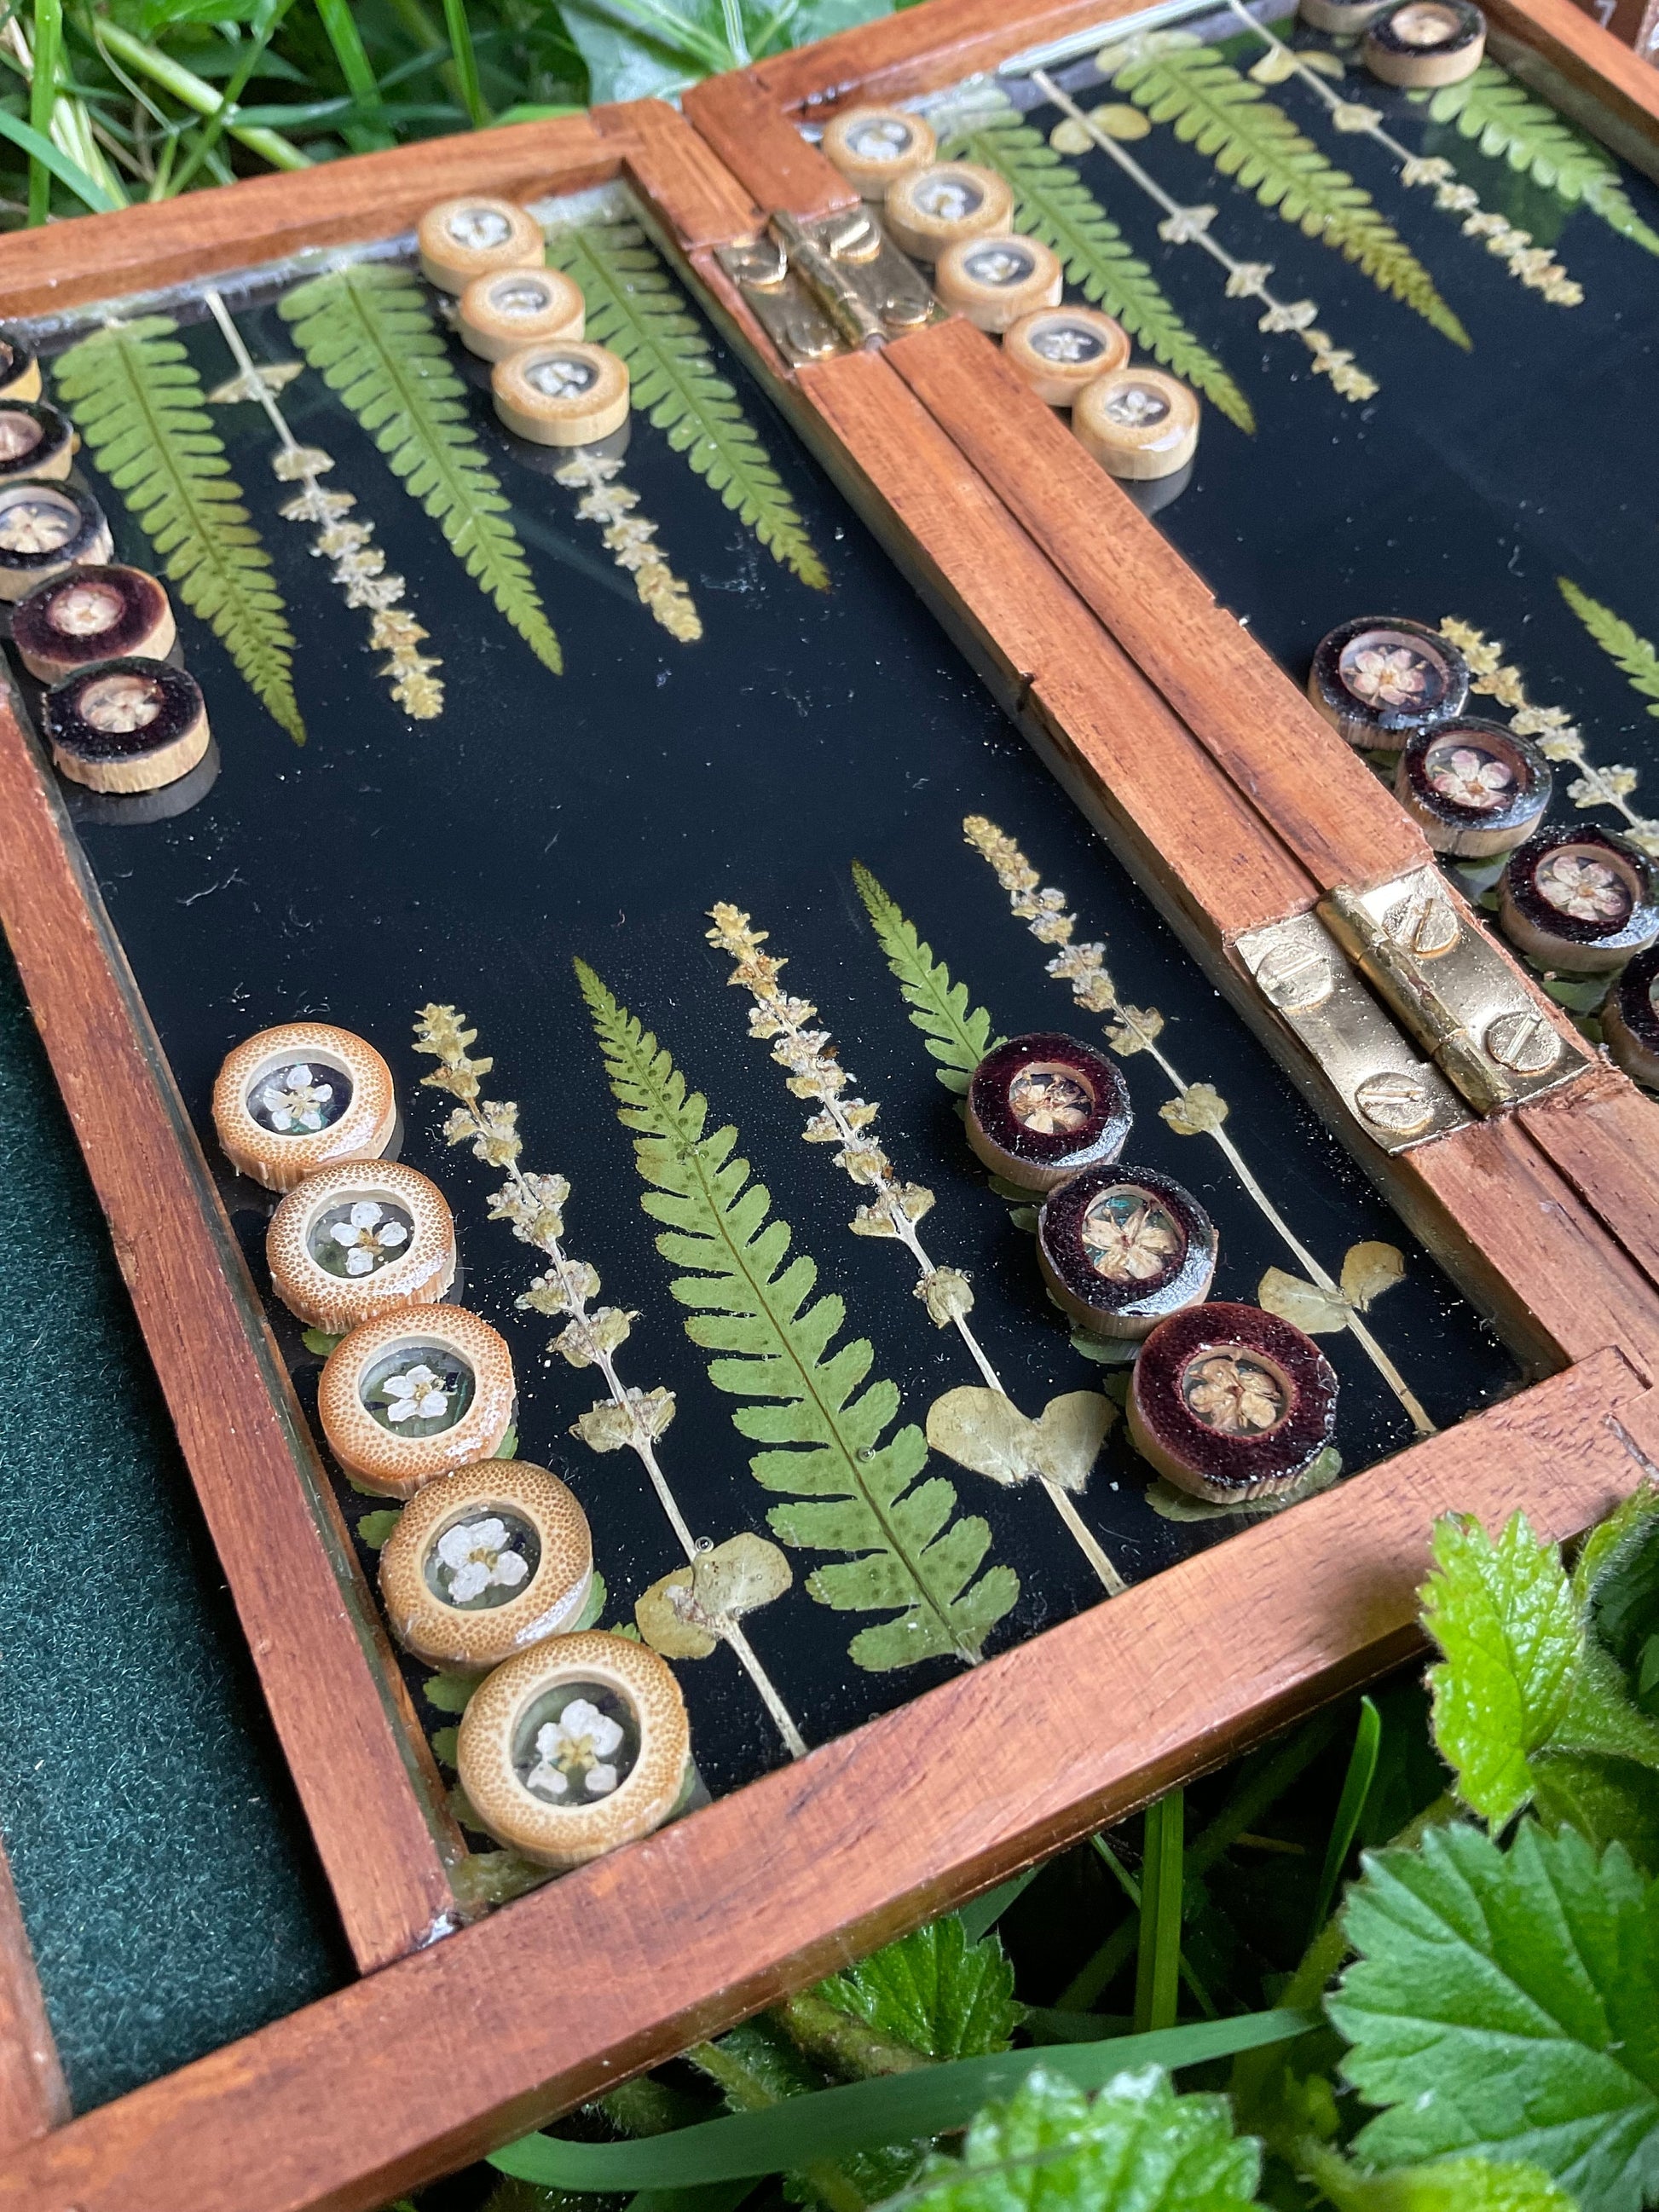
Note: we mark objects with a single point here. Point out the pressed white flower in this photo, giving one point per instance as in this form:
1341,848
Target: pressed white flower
415,1395
368,1237
1388,676
580,1745
294,1101
1589,890
479,1557
1471,778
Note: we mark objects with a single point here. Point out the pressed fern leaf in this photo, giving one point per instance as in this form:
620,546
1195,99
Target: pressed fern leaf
851,1492
1634,654
1232,123
1052,202
368,332
137,401
1507,123
958,1034
633,308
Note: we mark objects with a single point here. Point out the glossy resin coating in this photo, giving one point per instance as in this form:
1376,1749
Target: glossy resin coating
1630,1017
35,440
1473,786
126,725
1581,899
409,1397
92,613
1425,42
485,1562
1044,1107
1123,1247
1231,1402
359,1240
1381,678
300,1097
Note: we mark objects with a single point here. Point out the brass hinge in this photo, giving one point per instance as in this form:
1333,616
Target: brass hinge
1443,987
834,284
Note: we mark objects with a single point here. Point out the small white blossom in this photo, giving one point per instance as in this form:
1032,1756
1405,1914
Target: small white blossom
416,1395
367,1237
293,1100
580,1745
479,1557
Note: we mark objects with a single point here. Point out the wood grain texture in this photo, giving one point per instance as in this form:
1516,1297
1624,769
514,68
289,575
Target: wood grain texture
746,126
697,200
1176,820
1571,42
1311,789
1604,1138
33,2094
335,1698
99,257
458,2048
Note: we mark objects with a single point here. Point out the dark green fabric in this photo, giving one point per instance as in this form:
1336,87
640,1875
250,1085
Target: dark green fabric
165,1875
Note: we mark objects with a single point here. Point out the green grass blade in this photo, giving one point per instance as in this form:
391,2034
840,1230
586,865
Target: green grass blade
633,308
1235,126
466,62
185,85
1509,125
137,401
958,1034
980,1917
893,2108
344,36
43,99
1635,655
369,333
1158,1964
1052,202
1356,1789
852,1488
41,151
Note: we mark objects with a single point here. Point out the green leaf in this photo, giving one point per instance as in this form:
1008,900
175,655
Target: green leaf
450,1692
443,1745
633,308
1504,1615
1052,202
1508,2004
320,1341
39,148
892,2108
1233,125
137,401
757,2068
1356,1789
946,1996
958,1034
1452,2184
369,333
1136,2147
1633,654
375,1529
1607,1800
1510,126
1616,1581
597,1598
754,1309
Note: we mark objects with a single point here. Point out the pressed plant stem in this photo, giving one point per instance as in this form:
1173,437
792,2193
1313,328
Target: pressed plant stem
195,92
1158,1961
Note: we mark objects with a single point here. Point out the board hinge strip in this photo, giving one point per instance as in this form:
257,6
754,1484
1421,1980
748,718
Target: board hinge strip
834,284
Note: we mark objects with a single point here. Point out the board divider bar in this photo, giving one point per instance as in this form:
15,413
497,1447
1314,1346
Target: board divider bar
361,1765
33,2092
680,1935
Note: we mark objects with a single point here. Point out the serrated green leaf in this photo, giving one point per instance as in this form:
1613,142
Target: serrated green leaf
368,331
1135,2147
1508,2004
1452,2184
946,1996
137,401
1510,126
1635,655
752,1309
597,1597
450,1692
320,1341
757,2068
958,1034
633,308
1505,1617
375,1528
1052,202
1607,1799
443,1745
1232,123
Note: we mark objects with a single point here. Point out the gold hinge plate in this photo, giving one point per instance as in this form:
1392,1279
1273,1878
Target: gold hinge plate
835,284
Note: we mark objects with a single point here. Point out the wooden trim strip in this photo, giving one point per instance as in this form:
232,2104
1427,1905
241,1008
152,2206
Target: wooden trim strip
697,200
1184,828
104,257
1310,789
1592,60
335,1695
1604,1138
743,118
680,1935
33,2094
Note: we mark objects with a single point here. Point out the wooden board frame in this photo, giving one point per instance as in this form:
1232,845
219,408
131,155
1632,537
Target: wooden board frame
372,2091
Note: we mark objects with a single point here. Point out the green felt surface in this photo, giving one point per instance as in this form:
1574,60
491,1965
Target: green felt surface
165,1879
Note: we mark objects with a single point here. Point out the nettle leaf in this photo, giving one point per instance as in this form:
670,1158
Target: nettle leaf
137,401
1452,2184
1510,126
1617,1576
985,1430
958,1034
1505,1617
1225,116
1507,2003
1052,202
633,308
854,1487
368,331
1135,2147
944,1995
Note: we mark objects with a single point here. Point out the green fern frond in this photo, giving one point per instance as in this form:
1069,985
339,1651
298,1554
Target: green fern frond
369,333
1052,202
1232,123
1635,655
137,401
1508,124
851,1492
958,1034
633,308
